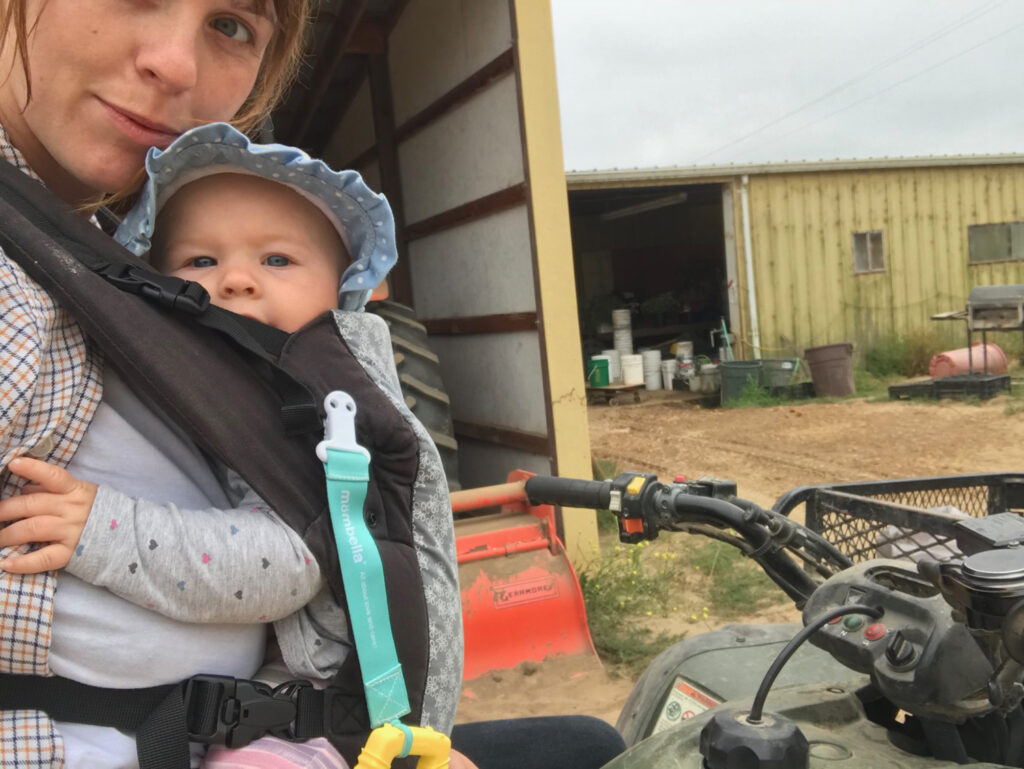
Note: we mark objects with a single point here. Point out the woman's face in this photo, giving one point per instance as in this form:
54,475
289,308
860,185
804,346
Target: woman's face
112,78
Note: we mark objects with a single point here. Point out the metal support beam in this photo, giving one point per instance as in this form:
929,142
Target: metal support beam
390,176
344,25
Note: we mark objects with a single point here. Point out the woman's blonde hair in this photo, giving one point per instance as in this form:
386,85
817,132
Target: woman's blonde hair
278,69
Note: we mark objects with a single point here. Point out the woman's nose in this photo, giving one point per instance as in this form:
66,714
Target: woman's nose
168,53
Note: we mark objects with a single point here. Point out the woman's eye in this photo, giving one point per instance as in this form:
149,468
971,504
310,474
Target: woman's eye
203,261
233,28
277,260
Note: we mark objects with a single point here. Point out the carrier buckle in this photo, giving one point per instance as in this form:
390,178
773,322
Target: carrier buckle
166,290
234,712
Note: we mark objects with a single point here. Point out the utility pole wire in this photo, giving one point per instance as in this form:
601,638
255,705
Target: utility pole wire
896,84
922,43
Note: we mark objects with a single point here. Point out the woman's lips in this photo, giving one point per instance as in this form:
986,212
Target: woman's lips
141,130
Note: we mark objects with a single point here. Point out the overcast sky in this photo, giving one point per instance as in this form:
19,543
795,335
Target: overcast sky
684,82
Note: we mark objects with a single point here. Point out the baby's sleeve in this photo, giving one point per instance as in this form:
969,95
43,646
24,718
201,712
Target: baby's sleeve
242,565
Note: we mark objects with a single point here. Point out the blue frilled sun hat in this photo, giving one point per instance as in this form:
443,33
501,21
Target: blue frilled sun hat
363,218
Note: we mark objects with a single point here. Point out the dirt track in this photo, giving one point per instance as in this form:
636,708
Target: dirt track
767,451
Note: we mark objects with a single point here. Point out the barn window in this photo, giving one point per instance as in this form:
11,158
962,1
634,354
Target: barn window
1002,242
868,252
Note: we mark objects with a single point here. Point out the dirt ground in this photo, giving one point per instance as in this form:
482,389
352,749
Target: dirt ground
767,451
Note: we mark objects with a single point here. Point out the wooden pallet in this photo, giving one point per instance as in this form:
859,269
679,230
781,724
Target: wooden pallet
982,386
614,395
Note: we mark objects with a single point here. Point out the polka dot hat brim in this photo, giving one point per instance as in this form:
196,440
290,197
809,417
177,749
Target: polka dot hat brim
363,217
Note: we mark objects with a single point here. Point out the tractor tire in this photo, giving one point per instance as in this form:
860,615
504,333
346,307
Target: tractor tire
419,373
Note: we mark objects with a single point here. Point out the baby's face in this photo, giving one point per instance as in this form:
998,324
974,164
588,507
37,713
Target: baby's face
259,248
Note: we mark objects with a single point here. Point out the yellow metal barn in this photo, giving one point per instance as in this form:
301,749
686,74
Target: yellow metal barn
795,255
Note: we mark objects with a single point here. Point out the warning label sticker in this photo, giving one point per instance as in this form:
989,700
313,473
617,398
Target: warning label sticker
684,701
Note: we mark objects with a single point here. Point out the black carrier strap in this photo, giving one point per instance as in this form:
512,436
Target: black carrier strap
216,710
225,381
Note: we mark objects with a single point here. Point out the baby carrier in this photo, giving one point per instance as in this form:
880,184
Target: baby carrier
260,413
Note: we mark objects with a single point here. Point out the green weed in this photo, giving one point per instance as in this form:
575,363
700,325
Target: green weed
906,356
736,585
607,522
631,588
869,385
620,591
753,395
1015,400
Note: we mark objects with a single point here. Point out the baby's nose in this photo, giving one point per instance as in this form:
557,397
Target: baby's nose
239,282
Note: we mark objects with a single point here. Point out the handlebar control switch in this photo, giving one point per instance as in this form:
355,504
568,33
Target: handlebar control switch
633,490
718,488
729,740
900,653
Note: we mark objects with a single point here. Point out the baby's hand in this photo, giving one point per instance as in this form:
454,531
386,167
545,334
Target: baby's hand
51,510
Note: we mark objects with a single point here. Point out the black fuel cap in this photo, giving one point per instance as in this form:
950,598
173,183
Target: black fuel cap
729,741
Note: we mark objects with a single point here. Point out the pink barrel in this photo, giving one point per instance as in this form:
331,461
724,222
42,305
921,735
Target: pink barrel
956,361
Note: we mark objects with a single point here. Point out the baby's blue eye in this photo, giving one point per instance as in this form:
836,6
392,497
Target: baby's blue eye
233,29
277,260
204,261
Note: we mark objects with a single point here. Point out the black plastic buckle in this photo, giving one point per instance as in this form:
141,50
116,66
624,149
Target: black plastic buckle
234,712
182,295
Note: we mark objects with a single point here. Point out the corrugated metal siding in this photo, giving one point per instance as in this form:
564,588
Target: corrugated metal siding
802,232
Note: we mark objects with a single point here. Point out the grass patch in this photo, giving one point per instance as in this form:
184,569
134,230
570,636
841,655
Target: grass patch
642,598
736,585
753,396
1014,401
620,590
869,385
906,356
603,469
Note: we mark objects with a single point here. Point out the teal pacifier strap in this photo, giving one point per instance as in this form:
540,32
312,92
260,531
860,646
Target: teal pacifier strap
348,473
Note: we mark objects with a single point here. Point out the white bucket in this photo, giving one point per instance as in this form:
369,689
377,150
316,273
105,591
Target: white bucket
622,340
652,381
652,361
684,350
711,376
632,370
668,372
614,364
620,318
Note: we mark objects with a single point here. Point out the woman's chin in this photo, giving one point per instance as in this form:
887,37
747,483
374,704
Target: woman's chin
119,176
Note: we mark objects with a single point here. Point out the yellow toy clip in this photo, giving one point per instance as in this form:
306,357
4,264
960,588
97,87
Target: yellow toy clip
395,740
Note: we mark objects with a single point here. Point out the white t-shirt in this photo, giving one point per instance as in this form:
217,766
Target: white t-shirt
103,640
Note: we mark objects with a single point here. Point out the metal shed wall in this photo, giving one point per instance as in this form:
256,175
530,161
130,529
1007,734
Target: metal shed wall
462,127
802,227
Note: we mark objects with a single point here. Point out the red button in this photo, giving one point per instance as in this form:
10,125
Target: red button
632,525
834,620
874,631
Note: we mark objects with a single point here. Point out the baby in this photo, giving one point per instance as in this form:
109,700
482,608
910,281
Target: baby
279,238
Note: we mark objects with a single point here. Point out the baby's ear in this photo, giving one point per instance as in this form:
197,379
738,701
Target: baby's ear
381,292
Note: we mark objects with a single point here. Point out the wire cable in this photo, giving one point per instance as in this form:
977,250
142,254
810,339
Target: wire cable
897,84
924,42
757,708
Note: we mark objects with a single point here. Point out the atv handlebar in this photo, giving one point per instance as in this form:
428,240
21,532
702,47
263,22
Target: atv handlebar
644,507
591,495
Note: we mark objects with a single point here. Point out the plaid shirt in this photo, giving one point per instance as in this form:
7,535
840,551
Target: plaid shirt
50,384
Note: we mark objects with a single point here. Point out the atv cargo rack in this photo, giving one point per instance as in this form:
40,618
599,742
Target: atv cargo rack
909,518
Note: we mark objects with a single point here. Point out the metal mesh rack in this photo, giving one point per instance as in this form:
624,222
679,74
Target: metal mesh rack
910,518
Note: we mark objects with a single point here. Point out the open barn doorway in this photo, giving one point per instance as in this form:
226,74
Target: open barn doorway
661,251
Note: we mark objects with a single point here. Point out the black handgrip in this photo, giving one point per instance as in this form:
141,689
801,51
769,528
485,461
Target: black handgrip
571,492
